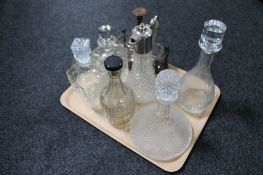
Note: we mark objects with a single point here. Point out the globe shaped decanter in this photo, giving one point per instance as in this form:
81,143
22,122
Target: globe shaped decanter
107,46
197,87
161,131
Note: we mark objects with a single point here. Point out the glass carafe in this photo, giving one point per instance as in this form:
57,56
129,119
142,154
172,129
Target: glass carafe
197,88
84,74
117,100
141,77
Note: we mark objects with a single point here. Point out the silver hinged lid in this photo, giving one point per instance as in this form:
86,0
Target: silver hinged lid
141,38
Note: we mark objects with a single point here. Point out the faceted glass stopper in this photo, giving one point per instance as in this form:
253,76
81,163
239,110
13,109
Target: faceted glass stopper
81,50
212,36
166,86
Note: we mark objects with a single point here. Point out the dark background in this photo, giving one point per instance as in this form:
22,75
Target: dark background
39,136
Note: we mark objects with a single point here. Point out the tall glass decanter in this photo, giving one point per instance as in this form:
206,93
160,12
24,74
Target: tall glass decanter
197,88
117,99
84,74
142,76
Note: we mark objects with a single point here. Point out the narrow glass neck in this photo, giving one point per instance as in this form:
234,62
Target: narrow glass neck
115,83
205,60
163,111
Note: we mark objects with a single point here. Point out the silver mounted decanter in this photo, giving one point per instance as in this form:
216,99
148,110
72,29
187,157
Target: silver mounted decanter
197,87
141,77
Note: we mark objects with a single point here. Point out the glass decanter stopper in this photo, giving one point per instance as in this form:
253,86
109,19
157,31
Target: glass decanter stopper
161,131
141,77
117,99
197,88
84,74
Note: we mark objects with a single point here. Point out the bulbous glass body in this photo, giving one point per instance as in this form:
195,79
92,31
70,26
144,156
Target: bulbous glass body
197,87
107,46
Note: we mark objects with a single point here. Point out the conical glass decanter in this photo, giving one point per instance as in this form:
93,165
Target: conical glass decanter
141,77
197,88
84,74
117,99
161,131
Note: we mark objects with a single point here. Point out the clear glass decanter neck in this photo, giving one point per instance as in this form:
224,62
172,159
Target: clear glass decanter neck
115,83
163,111
205,60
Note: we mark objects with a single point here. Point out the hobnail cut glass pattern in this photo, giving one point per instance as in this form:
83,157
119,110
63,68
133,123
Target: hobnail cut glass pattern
141,78
161,131
118,102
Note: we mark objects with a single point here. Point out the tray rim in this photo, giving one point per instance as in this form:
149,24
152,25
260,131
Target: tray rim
163,165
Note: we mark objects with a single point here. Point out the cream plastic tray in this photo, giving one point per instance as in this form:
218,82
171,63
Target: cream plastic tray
73,102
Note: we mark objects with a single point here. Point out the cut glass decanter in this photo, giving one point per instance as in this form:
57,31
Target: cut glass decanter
197,87
84,74
107,46
161,131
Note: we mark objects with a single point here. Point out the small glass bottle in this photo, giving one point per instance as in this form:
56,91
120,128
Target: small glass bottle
84,74
117,100
141,77
197,88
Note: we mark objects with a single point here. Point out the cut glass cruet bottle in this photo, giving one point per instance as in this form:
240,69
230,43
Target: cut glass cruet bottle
161,131
84,74
117,99
141,77
197,88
